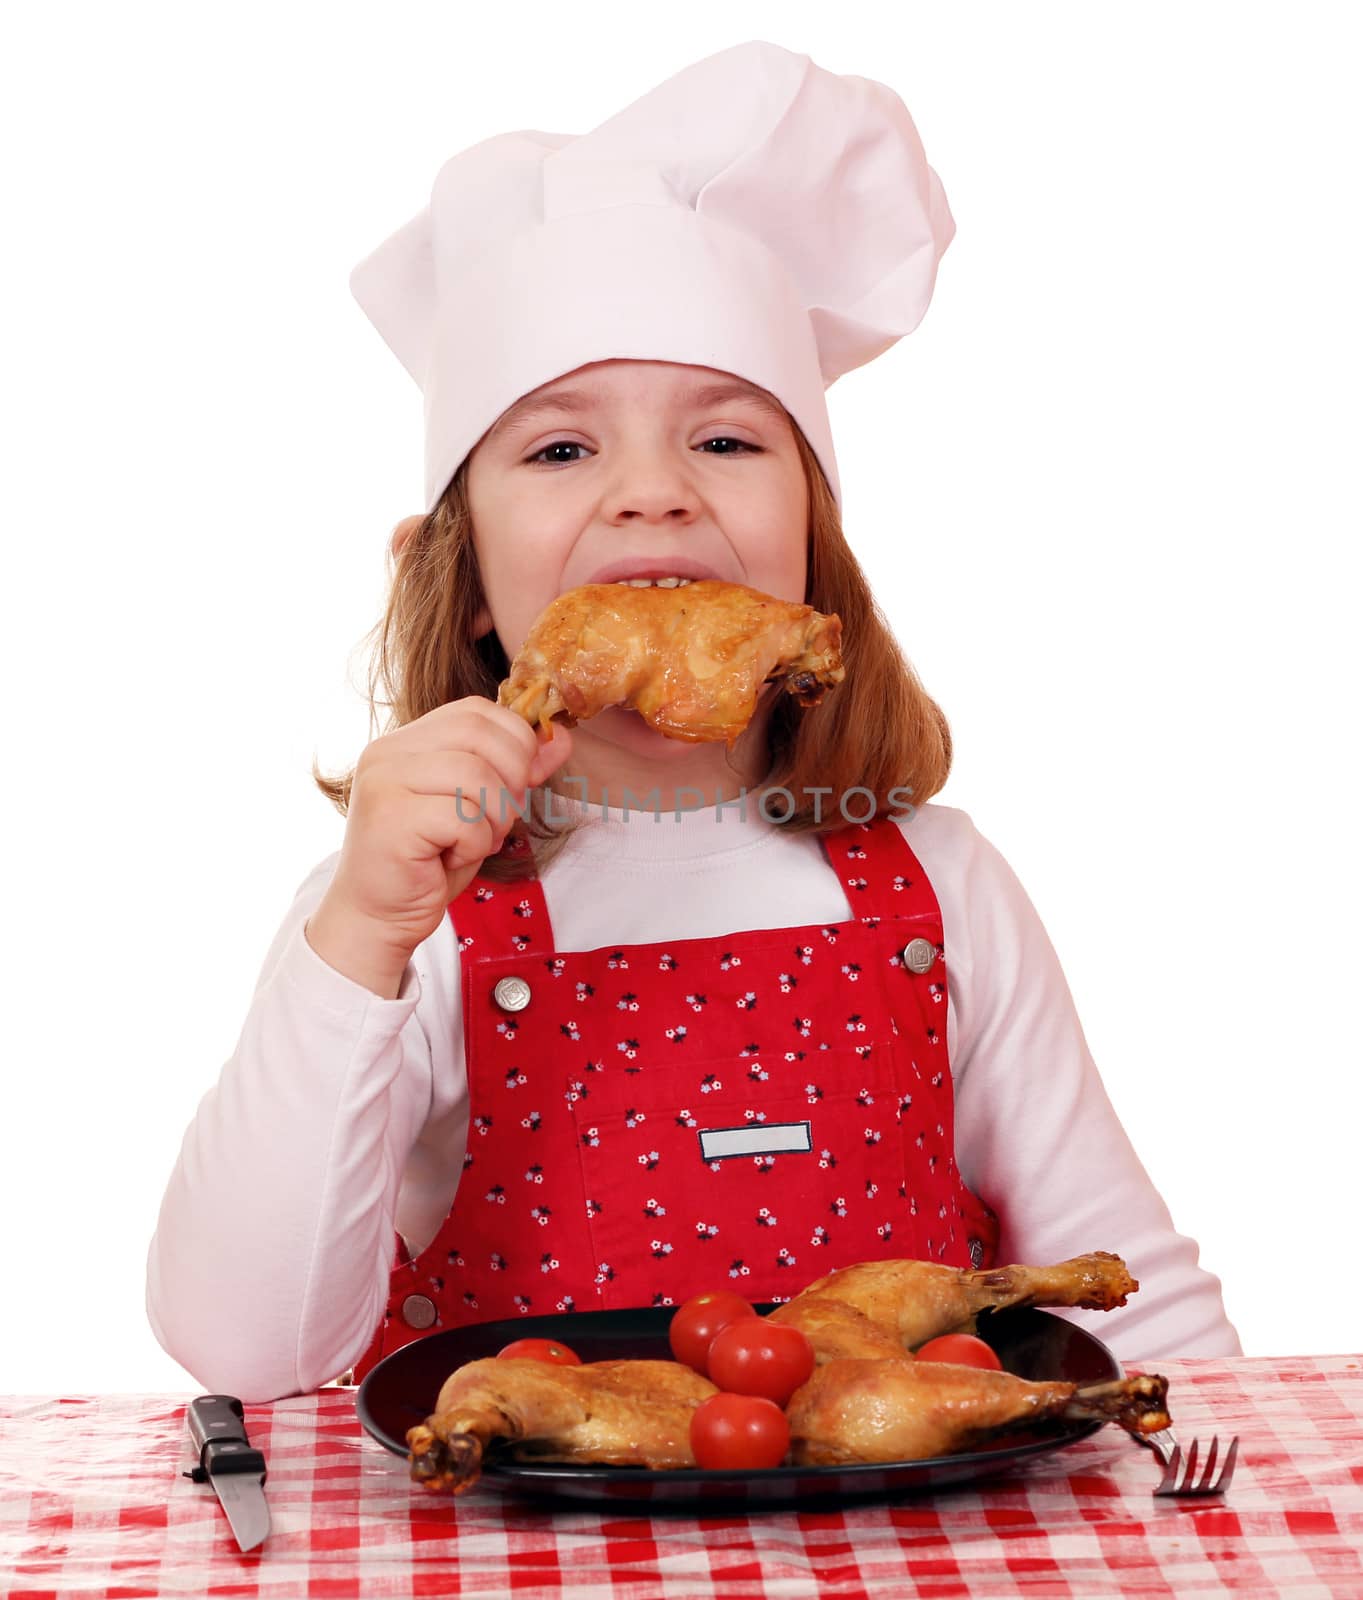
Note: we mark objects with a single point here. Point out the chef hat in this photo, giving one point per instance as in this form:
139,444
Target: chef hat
753,213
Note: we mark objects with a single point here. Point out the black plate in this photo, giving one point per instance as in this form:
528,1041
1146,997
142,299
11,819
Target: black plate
401,1391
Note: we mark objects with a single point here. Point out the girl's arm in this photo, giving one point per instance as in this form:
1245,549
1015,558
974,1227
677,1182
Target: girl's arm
268,1270
1036,1135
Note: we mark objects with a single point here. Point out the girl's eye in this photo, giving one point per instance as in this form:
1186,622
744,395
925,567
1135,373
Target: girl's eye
572,444
559,444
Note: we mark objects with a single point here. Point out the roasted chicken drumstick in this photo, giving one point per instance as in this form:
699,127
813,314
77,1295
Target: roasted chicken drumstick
620,1413
690,660
904,1410
868,1400
882,1308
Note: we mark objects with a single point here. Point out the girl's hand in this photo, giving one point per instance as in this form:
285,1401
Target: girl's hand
428,804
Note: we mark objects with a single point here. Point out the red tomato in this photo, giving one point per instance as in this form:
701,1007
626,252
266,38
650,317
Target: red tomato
550,1350
738,1433
695,1324
755,1356
961,1350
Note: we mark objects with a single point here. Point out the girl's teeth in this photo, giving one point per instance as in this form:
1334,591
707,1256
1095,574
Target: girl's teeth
649,583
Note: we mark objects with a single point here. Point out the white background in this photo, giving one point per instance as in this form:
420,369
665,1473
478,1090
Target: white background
1107,494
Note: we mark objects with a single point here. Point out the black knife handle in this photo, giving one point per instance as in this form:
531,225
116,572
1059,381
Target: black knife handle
219,1435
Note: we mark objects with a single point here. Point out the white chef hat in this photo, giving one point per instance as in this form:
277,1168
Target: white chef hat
753,213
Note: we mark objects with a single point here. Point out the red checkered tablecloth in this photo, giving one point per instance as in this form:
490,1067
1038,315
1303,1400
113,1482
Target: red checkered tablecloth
92,1503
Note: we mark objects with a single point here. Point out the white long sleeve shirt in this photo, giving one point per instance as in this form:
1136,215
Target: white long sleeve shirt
341,1115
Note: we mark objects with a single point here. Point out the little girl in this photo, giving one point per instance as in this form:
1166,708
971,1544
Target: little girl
650,1017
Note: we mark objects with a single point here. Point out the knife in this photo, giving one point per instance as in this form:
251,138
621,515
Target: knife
227,1461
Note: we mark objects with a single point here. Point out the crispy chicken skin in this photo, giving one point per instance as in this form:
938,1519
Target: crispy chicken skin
619,1413
906,1410
691,661
886,1307
868,1399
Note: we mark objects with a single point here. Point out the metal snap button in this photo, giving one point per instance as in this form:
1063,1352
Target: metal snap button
512,994
418,1311
919,954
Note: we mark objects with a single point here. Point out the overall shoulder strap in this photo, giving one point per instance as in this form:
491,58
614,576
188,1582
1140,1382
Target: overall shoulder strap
502,919
879,873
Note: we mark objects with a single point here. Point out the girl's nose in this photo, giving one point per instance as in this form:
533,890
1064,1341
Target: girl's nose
651,486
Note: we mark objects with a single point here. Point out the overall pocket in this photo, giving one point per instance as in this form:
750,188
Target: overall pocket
723,1173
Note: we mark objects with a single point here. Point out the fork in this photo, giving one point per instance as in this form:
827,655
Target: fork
1180,1473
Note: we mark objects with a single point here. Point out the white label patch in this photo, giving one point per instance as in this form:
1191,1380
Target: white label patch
755,1139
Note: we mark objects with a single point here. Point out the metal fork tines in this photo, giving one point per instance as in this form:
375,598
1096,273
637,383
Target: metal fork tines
1180,1468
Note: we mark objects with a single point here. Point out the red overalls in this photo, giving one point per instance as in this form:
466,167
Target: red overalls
747,1112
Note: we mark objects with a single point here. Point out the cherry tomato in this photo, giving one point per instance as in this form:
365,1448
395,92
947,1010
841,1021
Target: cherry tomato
755,1356
738,1433
695,1324
961,1350
550,1350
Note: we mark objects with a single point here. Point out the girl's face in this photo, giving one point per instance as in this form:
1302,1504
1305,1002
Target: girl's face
635,469
627,469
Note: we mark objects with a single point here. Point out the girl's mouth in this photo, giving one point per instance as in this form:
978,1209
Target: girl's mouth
662,569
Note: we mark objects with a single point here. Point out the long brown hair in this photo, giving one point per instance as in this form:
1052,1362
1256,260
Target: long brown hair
878,730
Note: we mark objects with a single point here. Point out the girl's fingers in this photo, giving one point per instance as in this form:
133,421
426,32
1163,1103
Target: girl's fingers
479,785
550,755
506,743
452,830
